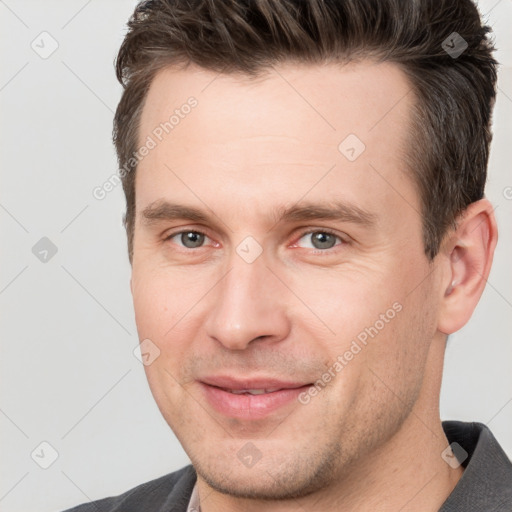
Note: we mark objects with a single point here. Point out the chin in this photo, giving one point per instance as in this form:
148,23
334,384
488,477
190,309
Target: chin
269,480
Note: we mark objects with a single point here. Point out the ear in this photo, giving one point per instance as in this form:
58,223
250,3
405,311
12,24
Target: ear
467,256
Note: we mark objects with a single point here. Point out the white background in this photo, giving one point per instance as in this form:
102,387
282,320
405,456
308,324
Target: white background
68,373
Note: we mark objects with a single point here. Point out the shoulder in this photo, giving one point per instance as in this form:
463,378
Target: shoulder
167,493
486,483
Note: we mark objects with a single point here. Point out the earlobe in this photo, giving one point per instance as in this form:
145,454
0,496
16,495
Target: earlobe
468,257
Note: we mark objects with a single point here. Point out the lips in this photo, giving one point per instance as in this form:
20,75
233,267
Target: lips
250,399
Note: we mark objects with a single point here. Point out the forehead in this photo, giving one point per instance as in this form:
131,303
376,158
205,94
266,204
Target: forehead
288,126
331,98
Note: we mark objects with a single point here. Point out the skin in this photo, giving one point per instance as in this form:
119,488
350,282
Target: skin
249,149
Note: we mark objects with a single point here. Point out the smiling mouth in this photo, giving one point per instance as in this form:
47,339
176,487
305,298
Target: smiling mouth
251,402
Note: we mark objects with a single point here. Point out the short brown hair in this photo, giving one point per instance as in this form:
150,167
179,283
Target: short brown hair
454,90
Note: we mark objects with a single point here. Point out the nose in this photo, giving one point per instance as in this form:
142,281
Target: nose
249,304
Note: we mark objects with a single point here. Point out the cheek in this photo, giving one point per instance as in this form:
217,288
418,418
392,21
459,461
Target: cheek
158,308
383,316
151,307
398,355
155,315
161,301
168,306
347,302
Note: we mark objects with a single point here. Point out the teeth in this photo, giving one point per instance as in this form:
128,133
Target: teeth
252,391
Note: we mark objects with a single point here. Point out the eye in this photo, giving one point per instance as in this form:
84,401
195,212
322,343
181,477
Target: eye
188,239
321,240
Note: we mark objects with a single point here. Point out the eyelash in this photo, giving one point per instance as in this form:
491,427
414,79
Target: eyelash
303,234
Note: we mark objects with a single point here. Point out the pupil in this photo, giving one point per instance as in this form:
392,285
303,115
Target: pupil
192,239
323,240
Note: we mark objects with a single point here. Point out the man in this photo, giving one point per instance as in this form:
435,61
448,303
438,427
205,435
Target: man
306,225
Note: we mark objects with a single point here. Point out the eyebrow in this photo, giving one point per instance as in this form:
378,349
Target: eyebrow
336,211
162,210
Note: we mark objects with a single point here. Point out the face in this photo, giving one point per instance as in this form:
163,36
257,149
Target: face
279,271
